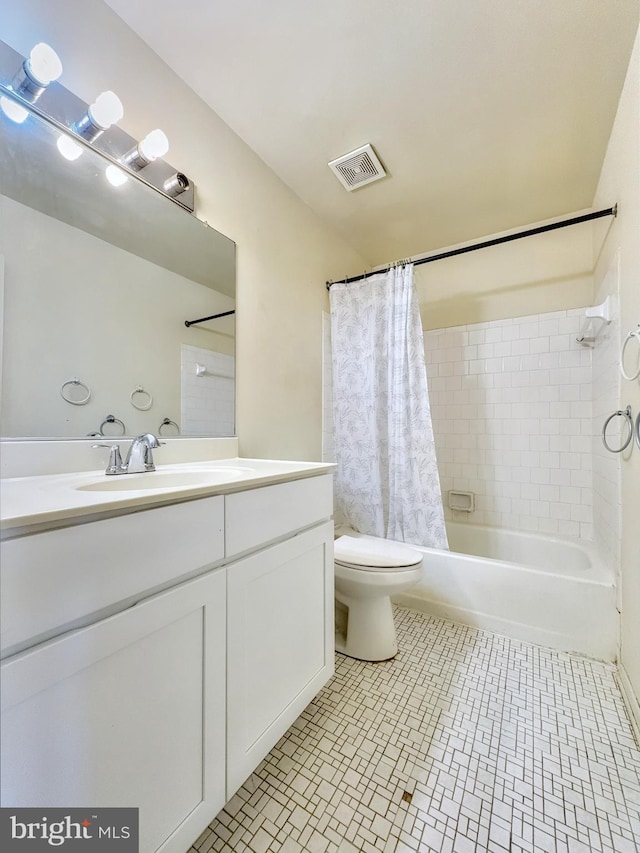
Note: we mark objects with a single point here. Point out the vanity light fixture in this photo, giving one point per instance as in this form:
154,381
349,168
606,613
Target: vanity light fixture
72,117
176,184
154,145
41,67
106,110
115,176
69,149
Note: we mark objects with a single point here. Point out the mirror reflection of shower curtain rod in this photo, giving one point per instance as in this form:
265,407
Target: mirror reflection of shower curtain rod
211,317
507,238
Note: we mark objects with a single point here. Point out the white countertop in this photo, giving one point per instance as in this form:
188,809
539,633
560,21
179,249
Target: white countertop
54,498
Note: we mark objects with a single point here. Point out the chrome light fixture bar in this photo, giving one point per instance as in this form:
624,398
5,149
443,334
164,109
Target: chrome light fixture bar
96,128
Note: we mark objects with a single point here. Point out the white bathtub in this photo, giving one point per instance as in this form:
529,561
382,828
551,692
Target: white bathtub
535,588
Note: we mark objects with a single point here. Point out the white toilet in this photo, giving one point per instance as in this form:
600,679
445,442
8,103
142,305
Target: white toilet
368,571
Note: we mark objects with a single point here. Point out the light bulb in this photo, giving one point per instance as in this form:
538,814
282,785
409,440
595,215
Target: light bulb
106,110
69,149
12,110
154,145
44,64
115,176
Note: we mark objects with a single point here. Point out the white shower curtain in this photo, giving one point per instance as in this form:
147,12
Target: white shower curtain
387,481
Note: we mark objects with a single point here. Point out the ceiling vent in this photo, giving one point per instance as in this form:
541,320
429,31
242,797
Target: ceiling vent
358,168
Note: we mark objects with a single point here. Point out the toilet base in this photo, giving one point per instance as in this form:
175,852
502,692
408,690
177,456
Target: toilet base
370,631
341,650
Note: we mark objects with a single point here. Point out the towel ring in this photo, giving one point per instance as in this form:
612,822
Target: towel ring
111,419
637,430
142,407
75,381
168,422
633,334
626,414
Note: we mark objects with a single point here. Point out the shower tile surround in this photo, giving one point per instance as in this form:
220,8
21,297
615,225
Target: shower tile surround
466,741
207,401
517,407
511,402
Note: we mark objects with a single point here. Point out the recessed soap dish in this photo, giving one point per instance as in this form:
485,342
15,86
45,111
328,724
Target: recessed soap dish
461,501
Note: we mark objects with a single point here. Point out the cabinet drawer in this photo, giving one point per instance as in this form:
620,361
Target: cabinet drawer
259,516
51,580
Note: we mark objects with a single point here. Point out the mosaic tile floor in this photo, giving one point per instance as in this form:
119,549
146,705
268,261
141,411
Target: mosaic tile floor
467,741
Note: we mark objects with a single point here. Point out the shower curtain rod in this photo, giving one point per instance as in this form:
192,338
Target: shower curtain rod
204,319
529,232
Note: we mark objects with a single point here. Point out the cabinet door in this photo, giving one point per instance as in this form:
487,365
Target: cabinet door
280,643
129,711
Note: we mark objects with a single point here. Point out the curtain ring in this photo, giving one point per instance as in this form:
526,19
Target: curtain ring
168,422
626,414
142,407
75,381
111,419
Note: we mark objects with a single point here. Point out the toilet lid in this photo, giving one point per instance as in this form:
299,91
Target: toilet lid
374,553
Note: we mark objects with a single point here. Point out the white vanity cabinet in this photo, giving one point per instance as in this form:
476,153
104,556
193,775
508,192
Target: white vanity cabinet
280,629
164,701
280,643
129,711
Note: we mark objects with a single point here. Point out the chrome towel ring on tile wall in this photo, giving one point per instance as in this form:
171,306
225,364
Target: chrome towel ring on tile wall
626,414
633,335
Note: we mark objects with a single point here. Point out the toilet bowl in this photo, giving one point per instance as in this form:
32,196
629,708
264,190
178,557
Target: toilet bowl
368,571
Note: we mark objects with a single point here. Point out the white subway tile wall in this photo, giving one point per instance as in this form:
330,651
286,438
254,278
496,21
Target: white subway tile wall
511,402
207,401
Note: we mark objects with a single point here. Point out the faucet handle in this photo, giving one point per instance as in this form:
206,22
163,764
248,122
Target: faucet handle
115,459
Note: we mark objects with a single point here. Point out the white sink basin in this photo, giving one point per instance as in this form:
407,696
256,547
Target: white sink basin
154,480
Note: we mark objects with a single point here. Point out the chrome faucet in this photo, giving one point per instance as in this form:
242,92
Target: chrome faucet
139,458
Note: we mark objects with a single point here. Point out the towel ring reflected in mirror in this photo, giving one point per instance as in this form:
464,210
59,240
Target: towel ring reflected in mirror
111,419
142,404
168,422
65,390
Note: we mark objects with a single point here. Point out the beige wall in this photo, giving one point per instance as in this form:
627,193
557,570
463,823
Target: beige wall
620,181
285,253
548,272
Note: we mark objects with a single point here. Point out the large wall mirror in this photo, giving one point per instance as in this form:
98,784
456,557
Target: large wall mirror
98,283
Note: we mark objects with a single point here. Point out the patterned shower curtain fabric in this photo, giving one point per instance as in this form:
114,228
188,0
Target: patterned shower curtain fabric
386,482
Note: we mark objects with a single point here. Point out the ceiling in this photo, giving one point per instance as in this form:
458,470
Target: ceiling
486,114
